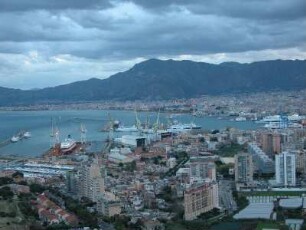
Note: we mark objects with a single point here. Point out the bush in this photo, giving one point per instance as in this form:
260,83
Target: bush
6,193
37,188
5,180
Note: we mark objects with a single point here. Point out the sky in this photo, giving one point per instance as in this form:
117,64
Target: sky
46,43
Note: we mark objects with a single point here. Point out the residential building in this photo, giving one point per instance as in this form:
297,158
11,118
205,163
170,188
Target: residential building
202,168
271,143
285,169
91,181
200,198
71,181
261,162
244,168
108,204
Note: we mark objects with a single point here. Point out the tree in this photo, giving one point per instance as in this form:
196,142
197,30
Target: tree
6,192
37,188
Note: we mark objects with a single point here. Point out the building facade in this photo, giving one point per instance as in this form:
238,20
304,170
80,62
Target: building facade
200,198
202,168
261,162
244,168
91,181
285,169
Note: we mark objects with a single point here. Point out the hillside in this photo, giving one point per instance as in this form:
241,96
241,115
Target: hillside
155,79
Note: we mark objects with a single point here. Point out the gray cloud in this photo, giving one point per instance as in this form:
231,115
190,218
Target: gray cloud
259,9
124,32
28,5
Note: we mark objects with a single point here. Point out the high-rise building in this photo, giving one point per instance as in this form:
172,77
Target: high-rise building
91,181
200,198
276,143
244,168
271,143
202,168
262,163
285,169
71,181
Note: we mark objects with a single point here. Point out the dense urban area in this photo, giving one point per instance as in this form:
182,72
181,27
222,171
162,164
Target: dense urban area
179,176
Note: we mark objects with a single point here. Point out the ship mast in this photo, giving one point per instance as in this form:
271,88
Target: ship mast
83,131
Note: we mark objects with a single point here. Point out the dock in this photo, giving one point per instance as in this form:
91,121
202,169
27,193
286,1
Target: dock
8,141
5,142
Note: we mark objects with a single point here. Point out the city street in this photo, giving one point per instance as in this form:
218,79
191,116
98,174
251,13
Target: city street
225,195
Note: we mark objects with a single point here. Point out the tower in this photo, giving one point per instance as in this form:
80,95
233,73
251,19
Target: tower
285,169
243,168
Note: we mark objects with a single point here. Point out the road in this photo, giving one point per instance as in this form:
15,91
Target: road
225,195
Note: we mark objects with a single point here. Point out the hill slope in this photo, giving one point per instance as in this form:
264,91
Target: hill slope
156,79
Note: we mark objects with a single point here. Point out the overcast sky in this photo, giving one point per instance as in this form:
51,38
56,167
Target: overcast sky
52,42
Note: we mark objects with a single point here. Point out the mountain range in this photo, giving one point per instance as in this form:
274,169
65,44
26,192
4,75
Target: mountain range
157,80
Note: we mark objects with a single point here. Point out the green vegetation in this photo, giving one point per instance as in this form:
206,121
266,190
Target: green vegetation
230,150
181,157
87,218
5,180
270,225
10,215
58,226
241,200
17,174
211,214
6,193
187,225
223,169
37,188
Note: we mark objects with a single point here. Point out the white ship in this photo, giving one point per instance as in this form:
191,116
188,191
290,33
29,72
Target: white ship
15,139
27,135
279,125
278,118
240,119
183,127
127,129
68,145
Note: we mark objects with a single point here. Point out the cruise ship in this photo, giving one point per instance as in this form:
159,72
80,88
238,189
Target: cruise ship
68,145
278,118
279,125
183,127
127,129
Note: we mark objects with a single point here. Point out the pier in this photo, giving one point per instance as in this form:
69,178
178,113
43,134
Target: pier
8,141
5,142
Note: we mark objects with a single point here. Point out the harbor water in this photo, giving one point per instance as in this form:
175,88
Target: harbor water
69,122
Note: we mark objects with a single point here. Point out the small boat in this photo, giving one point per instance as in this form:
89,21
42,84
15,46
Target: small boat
240,119
27,135
15,139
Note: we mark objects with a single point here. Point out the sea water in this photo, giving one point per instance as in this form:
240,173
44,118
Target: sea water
69,121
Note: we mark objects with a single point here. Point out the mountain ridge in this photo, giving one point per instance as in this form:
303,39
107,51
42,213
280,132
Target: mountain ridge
155,79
